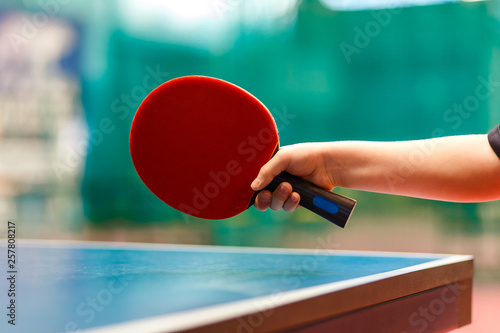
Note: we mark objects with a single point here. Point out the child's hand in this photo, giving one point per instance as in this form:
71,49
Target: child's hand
306,160
461,168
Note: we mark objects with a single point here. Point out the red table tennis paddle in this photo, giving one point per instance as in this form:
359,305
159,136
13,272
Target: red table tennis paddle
198,143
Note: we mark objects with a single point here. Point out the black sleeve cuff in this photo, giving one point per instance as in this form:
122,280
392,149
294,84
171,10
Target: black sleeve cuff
494,139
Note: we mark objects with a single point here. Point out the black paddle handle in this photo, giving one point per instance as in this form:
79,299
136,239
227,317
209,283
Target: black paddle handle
332,206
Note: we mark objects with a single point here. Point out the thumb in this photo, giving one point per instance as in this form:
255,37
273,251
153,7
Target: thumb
271,169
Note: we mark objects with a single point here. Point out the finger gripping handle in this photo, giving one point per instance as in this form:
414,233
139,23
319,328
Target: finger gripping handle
332,206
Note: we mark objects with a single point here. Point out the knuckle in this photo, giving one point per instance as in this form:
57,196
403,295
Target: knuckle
265,169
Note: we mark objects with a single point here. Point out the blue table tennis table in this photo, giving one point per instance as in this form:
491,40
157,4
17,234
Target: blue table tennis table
70,286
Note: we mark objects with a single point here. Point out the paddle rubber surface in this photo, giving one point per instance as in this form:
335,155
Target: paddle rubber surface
198,142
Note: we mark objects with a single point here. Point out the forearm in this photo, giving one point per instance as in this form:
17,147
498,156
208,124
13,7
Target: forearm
459,168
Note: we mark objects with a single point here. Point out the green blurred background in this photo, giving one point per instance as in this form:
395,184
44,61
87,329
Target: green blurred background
72,74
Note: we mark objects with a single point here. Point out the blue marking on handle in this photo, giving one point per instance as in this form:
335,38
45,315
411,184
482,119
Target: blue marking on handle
330,207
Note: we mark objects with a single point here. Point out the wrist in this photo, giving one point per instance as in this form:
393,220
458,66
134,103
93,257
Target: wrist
333,159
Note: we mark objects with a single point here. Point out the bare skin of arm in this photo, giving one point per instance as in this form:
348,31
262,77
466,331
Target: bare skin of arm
456,168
